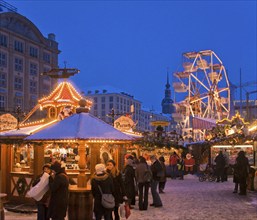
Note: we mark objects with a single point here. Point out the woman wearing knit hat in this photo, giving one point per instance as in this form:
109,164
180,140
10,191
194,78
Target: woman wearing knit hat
101,180
119,190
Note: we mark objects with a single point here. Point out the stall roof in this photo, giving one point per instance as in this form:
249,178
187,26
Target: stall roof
25,131
81,126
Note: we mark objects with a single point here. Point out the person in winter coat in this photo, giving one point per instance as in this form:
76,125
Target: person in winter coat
220,165
129,181
226,157
104,181
157,172
241,172
59,184
119,190
42,205
143,176
173,165
163,178
181,168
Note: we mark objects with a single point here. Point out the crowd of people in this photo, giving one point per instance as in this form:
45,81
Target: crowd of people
136,179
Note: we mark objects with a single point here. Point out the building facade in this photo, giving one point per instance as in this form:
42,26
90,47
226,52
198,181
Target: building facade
24,54
147,116
110,103
247,110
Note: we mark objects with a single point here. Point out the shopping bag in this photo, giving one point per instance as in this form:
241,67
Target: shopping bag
122,210
127,211
38,191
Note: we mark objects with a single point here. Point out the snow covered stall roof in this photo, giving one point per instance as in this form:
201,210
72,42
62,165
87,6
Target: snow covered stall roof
81,126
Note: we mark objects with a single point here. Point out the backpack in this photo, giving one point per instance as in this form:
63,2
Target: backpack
147,175
107,200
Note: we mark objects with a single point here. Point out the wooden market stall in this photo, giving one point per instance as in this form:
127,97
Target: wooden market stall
78,140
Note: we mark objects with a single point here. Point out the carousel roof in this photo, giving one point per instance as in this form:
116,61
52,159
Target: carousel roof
63,93
81,126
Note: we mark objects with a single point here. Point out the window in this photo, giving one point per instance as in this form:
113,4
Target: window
33,87
103,99
95,100
103,106
3,80
18,46
95,107
46,57
46,79
2,101
18,83
3,40
33,101
3,59
103,114
111,105
33,52
18,64
111,99
18,101
52,112
33,69
46,89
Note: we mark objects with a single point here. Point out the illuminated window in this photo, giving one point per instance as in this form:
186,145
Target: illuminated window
52,112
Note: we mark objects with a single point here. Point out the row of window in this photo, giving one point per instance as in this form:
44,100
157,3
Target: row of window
19,47
18,64
18,84
118,99
18,101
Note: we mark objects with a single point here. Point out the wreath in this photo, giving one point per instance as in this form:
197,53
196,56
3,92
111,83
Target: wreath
21,185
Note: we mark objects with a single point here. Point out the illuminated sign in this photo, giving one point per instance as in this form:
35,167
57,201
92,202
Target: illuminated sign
124,123
7,122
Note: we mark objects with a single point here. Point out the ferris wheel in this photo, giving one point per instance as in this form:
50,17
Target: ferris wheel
205,83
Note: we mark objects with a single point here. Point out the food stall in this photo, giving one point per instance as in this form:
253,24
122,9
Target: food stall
232,152
25,149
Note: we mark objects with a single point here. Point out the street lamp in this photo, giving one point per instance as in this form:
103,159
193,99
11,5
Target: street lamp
19,113
254,151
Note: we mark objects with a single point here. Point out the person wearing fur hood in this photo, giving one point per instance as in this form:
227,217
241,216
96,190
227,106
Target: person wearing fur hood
102,179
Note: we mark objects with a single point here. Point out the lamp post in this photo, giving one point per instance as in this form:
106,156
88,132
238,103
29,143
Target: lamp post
112,114
254,151
18,112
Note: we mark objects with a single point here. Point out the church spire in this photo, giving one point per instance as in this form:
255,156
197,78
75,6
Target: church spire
167,102
168,81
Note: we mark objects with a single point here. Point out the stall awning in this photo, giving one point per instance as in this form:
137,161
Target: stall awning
203,123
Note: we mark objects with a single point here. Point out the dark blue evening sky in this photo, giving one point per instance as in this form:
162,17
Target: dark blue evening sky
130,44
